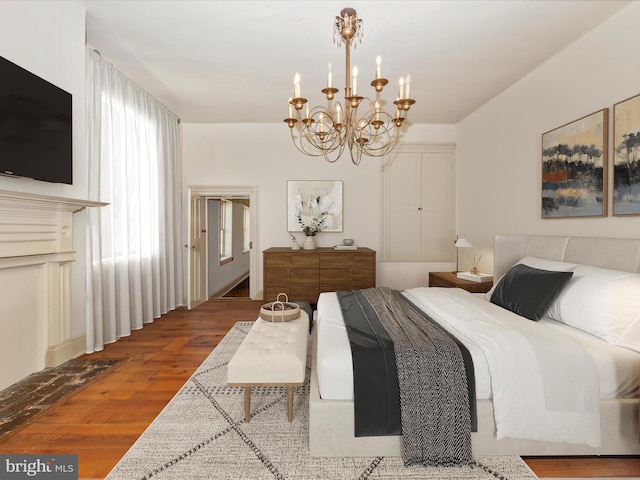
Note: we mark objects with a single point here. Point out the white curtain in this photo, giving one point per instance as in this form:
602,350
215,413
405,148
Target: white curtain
134,261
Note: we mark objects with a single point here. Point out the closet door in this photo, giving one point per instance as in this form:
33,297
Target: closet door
404,207
419,205
438,207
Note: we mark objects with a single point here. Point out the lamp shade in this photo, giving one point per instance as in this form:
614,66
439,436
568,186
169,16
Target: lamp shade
463,243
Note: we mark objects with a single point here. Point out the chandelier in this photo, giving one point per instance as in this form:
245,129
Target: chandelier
361,123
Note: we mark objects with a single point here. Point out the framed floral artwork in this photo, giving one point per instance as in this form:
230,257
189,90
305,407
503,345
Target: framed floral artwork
626,147
574,168
314,206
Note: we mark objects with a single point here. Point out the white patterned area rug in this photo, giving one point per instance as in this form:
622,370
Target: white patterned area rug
201,434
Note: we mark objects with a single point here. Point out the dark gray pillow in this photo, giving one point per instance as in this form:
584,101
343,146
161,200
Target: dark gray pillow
528,291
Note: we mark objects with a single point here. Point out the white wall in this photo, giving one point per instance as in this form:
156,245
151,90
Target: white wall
48,39
264,156
499,145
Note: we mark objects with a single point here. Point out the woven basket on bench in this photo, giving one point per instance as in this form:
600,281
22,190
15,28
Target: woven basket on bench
280,311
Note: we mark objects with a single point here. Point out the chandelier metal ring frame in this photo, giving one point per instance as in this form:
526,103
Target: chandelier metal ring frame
361,124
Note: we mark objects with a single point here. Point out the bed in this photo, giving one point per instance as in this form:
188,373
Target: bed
610,351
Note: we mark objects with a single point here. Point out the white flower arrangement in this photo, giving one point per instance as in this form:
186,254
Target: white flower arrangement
314,226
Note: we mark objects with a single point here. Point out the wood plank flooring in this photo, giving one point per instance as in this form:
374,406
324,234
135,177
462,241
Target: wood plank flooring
101,421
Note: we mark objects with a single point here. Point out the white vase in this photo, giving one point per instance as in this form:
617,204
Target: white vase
309,243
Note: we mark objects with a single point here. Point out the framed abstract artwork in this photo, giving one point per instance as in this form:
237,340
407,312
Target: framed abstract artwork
574,168
314,203
626,147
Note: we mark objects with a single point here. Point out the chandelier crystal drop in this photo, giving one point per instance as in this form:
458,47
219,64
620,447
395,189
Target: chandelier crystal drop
361,124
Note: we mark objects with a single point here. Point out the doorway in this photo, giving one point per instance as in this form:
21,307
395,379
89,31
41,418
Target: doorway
198,262
228,247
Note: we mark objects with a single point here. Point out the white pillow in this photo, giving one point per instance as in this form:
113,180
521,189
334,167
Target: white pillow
540,263
551,265
602,302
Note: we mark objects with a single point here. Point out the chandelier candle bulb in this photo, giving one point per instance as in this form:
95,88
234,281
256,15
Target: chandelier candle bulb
378,68
408,82
296,86
338,113
329,77
355,81
401,83
290,109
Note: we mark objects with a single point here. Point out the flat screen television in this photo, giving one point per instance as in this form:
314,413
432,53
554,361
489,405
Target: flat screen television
35,127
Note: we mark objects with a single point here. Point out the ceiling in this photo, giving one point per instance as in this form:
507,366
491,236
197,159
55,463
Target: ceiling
234,61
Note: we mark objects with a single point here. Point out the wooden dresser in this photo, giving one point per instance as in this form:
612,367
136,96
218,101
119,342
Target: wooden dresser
304,274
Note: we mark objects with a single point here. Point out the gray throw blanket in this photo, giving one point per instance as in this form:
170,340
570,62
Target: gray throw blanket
434,398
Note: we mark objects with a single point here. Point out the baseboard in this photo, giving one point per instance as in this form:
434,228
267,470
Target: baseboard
72,348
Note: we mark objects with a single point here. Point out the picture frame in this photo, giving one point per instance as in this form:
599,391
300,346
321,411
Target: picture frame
575,167
626,150
309,199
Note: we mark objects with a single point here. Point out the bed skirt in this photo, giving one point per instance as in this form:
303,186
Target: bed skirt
331,431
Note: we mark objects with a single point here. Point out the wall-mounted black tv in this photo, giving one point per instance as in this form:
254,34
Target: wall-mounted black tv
35,126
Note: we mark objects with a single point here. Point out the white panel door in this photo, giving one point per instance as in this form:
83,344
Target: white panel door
438,215
404,215
197,275
419,205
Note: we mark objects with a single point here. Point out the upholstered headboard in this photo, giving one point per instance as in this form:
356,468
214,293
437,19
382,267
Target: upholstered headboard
614,253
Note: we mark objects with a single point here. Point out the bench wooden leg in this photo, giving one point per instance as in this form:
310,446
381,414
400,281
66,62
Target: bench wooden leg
290,404
247,404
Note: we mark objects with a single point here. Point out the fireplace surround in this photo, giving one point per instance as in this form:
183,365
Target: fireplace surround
36,252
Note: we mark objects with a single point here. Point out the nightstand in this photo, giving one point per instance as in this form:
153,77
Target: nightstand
450,280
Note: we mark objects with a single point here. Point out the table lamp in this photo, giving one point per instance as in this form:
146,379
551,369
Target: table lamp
461,243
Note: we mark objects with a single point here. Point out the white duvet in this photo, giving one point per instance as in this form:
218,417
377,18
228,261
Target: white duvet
545,384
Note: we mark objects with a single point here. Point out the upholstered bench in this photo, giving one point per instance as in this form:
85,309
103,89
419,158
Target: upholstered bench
273,354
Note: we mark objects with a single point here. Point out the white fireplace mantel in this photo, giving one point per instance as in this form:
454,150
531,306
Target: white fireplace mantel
36,251
32,224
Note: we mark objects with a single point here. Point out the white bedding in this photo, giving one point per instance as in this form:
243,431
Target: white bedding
613,370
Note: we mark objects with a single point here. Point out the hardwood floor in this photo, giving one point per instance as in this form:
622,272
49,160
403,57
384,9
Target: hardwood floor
101,421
